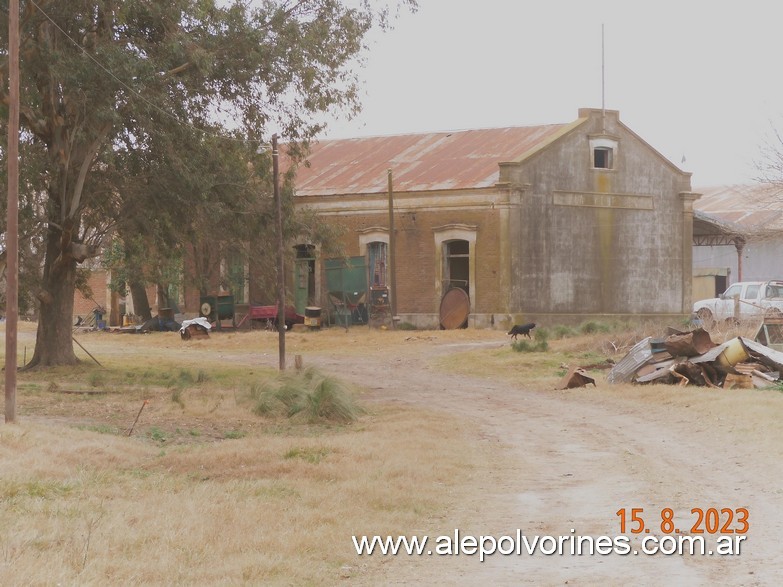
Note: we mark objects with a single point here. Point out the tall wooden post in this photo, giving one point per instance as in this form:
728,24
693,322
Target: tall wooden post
392,253
280,256
12,228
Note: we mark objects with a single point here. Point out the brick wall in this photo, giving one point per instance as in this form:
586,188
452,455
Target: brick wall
109,301
98,283
416,256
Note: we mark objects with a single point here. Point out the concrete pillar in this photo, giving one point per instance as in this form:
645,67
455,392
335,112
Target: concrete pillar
739,244
688,198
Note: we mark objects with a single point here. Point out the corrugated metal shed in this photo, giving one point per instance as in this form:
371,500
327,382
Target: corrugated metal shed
751,208
420,162
709,225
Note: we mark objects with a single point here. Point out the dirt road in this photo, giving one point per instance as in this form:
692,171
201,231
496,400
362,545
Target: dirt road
556,463
569,460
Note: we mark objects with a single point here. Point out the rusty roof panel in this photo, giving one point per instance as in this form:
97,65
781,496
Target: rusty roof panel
421,162
738,197
752,207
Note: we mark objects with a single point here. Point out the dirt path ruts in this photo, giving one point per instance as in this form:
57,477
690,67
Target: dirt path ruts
577,457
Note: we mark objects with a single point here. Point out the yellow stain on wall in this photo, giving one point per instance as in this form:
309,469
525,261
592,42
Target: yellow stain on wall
605,219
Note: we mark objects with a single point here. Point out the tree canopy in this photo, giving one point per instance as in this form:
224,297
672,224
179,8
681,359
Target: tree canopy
143,114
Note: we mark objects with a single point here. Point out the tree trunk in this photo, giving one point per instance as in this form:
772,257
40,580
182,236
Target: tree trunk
141,304
54,341
163,296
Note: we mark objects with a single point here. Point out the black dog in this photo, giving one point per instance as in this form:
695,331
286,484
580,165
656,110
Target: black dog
523,329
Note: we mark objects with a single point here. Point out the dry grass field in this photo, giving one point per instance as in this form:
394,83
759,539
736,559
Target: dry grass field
456,431
204,491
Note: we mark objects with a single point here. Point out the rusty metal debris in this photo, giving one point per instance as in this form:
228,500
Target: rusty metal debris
688,344
576,377
692,358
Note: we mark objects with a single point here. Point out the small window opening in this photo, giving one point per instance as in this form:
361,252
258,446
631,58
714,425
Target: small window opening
602,158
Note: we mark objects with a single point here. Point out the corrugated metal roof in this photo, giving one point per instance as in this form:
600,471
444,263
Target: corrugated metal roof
705,224
754,207
419,162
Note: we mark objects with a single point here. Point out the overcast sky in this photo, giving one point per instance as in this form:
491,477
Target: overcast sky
701,80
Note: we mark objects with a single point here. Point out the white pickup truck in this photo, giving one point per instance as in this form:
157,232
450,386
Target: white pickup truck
757,299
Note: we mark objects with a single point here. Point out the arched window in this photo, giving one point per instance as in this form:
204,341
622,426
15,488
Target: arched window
455,259
374,245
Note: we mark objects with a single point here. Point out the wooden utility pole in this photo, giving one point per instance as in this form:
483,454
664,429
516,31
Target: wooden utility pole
392,253
12,221
280,256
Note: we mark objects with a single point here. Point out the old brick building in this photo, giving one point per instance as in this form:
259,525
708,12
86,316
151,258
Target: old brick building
552,224
548,223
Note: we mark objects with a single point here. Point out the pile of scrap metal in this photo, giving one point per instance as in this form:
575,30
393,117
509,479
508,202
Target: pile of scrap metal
684,358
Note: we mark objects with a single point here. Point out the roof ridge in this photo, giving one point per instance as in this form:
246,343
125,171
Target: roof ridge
443,132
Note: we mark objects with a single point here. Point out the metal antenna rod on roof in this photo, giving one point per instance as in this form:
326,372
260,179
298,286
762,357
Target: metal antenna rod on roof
603,83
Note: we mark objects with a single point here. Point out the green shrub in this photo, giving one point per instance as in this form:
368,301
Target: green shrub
593,327
562,331
309,396
406,326
526,346
539,344
185,377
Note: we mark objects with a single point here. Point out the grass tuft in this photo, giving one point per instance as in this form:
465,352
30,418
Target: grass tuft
157,434
540,345
96,379
185,376
310,396
310,455
100,428
563,331
176,397
593,327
